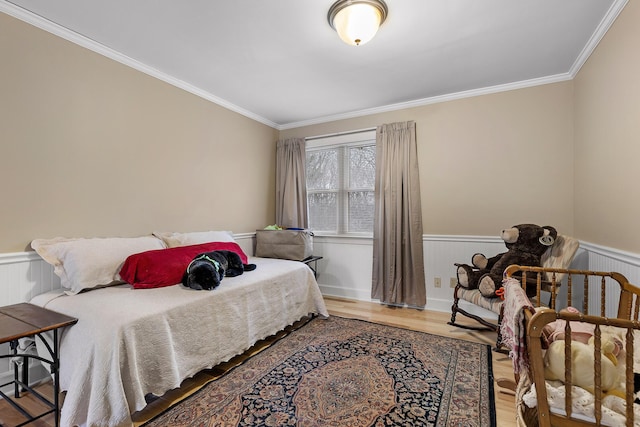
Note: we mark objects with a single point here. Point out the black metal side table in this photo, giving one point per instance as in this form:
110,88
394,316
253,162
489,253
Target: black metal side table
28,320
313,259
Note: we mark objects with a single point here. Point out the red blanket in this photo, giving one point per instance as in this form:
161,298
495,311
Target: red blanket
165,267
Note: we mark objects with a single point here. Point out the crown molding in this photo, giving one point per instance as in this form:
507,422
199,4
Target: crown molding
432,100
60,31
597,35
65,33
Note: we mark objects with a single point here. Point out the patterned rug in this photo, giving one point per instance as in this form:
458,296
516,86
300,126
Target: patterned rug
345,372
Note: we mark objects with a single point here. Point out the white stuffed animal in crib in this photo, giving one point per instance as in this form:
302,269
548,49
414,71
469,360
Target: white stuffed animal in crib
582,364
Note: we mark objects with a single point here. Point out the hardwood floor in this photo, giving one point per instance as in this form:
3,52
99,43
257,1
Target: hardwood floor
426,321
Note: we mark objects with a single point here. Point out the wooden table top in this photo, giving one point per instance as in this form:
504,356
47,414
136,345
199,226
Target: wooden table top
24,319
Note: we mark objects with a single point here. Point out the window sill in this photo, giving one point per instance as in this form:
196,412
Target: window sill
362,239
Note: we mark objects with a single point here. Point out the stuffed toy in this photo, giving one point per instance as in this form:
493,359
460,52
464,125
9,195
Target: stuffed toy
525,245
582,356
555,331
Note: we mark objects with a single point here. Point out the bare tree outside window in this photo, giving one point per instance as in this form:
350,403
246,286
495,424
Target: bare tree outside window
340,185
362,169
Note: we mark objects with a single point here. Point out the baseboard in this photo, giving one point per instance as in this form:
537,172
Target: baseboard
433,304
348,293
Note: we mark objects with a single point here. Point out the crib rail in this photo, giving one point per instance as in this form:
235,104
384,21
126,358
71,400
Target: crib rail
592,292
607,289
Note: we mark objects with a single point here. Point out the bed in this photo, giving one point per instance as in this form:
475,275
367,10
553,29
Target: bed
136,340
605,317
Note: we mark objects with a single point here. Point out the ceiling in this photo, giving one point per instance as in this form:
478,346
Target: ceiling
279,62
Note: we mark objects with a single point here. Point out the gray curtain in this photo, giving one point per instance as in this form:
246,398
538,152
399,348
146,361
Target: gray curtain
291,187
398,263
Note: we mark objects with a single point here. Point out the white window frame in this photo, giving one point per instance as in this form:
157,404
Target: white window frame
344,140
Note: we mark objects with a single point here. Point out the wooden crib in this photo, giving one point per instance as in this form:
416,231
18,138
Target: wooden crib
608,305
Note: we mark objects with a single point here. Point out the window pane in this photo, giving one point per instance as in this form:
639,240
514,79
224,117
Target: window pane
340,184
361,211
362,167
323,211
322,170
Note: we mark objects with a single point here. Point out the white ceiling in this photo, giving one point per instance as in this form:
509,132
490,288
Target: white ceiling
280,62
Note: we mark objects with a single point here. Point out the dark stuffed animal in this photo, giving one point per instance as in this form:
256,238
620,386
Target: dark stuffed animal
207,269
525,245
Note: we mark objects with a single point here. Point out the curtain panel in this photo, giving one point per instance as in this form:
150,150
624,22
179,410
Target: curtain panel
398,263
291,187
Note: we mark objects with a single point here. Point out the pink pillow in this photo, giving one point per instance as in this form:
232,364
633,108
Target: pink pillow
165,267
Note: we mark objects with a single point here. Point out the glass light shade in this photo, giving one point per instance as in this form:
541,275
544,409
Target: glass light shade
358,23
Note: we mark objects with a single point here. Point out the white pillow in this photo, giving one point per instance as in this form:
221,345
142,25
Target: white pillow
89,263
173,240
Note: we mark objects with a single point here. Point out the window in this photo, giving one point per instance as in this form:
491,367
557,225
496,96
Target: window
340,182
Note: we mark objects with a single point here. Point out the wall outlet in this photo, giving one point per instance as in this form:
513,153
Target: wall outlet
453,282
437,282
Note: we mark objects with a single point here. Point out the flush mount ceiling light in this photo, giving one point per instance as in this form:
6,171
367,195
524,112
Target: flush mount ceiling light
357,21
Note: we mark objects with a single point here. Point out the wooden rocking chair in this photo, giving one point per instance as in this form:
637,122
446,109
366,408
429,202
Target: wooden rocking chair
559,256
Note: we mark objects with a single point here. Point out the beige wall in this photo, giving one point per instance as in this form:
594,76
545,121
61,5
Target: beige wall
565,154
488,162
90,147
607,127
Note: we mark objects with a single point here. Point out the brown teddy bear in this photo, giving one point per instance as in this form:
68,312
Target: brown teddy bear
525,245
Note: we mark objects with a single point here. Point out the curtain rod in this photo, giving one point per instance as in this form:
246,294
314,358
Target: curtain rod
351,132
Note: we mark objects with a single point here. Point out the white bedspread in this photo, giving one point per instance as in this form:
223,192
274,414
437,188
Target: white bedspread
128,343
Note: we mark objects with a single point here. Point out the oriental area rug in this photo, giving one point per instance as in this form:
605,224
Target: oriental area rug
345,372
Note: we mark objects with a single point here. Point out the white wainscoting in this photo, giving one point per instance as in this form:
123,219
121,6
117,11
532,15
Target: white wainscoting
24,275
608,259
344,271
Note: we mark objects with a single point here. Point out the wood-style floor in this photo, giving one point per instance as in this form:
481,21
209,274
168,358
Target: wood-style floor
426,321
